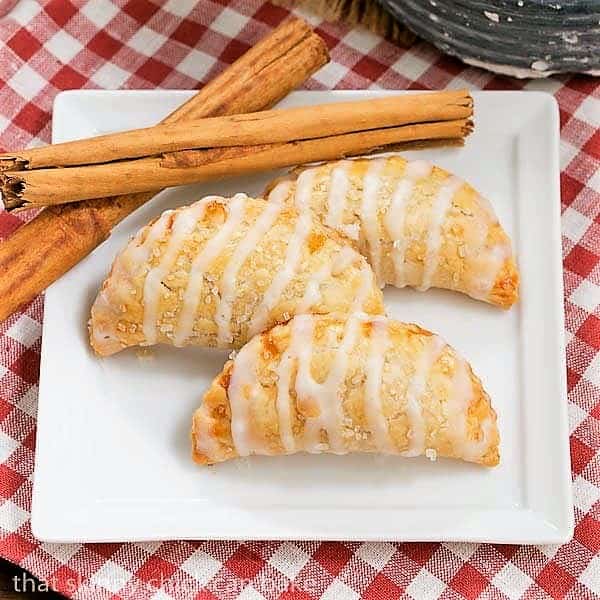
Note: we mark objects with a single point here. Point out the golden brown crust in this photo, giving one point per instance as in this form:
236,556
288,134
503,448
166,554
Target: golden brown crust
143,301
472,253
505,291
451,427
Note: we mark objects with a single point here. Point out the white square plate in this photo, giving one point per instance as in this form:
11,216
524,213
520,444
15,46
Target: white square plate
113,452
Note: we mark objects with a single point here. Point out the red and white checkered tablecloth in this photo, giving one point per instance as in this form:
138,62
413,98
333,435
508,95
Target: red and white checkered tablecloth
54,45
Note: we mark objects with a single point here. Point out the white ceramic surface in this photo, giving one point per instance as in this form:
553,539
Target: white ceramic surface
113,452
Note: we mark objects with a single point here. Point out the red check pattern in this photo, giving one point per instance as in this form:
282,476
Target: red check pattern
60,44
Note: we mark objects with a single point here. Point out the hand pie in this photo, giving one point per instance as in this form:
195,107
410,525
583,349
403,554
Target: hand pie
335,383
417,224
219,271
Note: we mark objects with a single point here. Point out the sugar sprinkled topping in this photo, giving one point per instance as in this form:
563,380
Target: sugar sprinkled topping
431,454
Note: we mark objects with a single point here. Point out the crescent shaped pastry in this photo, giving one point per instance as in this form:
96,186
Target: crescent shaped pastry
335,383
417,224
219,271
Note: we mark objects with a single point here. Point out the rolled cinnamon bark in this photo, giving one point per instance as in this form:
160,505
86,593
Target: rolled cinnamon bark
266,127
39,252
58,186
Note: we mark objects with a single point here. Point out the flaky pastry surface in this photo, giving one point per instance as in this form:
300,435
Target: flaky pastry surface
417,224
338,383
221,270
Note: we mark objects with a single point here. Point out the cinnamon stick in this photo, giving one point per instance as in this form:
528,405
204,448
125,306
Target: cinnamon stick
56,186
264,127
39,252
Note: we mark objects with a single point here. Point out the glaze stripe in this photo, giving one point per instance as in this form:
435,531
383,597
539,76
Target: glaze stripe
184,223
227,286
441,203
212,249
293,255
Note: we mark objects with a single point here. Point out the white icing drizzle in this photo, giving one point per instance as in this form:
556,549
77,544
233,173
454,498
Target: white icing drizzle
338,189
498,255
284,375
140,252
395,217
324,398
304,187
326,394
494,257
307,389
368,215
489,260
351,230
281,191
128,263
441,203
201,263
460,398
184,223
415,392
241,393
227,285
376,420
343,259
291,262
312,293
487,207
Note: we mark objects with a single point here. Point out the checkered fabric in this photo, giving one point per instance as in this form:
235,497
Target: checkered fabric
60,44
